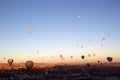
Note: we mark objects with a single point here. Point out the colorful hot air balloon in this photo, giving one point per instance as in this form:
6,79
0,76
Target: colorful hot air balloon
29,64
109,59
30,30
82,56
10,62
62,58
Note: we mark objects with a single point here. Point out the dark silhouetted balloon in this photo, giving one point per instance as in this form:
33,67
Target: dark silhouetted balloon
10,61
109,59
82,56
88,65
29,64
98,61
101,63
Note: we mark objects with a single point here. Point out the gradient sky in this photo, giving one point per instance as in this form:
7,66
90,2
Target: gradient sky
56,29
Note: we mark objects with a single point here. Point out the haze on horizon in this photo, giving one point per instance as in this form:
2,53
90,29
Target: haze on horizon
41,31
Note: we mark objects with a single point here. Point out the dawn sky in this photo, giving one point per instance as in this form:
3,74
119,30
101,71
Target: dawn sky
59,27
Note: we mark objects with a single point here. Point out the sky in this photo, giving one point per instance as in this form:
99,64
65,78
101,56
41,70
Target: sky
59,27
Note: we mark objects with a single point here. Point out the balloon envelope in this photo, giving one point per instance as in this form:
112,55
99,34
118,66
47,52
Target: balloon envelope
71,57
30,30
78,30
37,51
82,56
81,46
93,54
89,55
4,58
77,45
10,61
54,35
98,61
78,16
60,56
103,38
109,59
29,64
101,45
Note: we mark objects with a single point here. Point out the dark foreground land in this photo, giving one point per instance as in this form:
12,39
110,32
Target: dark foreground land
63,73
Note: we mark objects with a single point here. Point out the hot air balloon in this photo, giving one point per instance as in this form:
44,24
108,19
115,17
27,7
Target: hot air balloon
52,56
98,61
103,38
37,51
10,62
77,45
4,58
62,58
81,46
54,35
89,55
88,65
101,45
88,40
30,30
71,57
78,17
42,58
109,59
108,35
29,64
82,56
78,30
101,63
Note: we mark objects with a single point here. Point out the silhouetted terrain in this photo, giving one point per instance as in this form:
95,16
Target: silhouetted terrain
63,72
